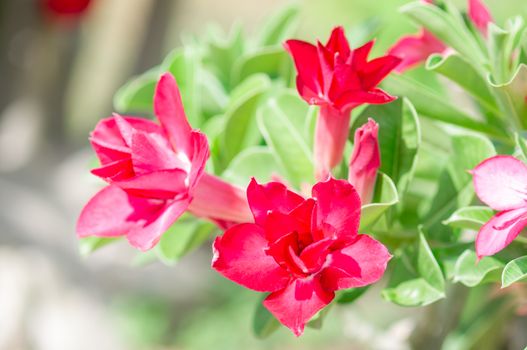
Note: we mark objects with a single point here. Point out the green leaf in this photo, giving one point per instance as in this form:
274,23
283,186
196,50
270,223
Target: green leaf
455,184
272,61
88,245
284,139
385,196
449,28
279,26
264,323
348,296
137,95
430,104
214,98
458,70
513,94
181,238
258,162
521,147
503,45
417,279
240,126
399,139
471,273
514,271
471,218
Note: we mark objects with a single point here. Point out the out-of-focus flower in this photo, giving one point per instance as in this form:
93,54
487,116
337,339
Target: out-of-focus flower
415,49
365,160
337,79
501,183
480,15
65,8
301,250
155,173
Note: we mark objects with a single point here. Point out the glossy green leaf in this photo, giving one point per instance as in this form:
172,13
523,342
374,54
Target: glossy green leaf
503,45
137,95
430,104
471,273
415,292
240,118
385,196
514,271
348,296
455,188
258,162
88,245
264,323
183,237
399,139
273,61
471,218
279,27
284,139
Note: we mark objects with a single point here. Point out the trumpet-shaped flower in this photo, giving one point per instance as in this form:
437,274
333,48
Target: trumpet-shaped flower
501,183
155,172
338,79
300,250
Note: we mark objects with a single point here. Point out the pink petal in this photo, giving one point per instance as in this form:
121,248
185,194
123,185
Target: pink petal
168,108
240,255
146,236
338,208
117,170
415,49
152,152
271,196
112,212
295,305
278,224
361,263
480,15
162,184
199,155
501,182
500,231
305,57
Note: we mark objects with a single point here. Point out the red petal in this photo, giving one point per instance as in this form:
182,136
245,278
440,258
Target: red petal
338,208
163,184
240,255
271,196
305,57
295,305
500,231
501,182
117,170
152,152
168,108
480,15
360,263
354,98
200,155
338,43
359,56
376,70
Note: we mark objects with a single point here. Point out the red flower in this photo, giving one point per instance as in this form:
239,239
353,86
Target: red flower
301,250
480,15
415,49
66,8
365,160
338,79
155,173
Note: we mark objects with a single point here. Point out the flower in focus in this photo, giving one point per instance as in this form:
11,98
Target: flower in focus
154,171
501,183
365,160
337,79
479,15
415,49
301,250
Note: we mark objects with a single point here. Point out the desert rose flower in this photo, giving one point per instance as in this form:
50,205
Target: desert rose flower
501,183
65,8
155,173
480,15
301,250
337,79
365,160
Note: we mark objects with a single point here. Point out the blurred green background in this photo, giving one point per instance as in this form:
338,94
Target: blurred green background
58,79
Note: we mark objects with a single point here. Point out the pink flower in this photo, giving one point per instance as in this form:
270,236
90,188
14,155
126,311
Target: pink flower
501,183
365,160
480,15
155,173
65,8
415,49
301,250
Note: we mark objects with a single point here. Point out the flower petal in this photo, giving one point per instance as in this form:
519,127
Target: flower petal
305,58
338,43
351,99
240,255
295,305
500,231
271,196
151,152
358,264
168,108
337,209
377,69
479,14
501,182
163,184
199,156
